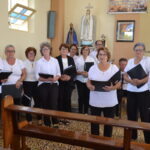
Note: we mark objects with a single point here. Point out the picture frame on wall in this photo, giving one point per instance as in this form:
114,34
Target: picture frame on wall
127,6
125,30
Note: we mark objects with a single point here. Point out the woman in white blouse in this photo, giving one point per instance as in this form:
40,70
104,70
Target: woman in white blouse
30,82
103,101
73,52
18,70
81,79
138,98
47,87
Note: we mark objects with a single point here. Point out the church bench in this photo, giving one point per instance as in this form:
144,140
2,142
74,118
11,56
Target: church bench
20,130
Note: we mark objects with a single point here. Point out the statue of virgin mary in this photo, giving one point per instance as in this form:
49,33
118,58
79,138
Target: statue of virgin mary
87,24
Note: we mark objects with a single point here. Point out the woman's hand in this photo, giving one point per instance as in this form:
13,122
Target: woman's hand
136,82
65,77
44,79
54,79
4,80
90,86
85,74
109,88
112,87
18,84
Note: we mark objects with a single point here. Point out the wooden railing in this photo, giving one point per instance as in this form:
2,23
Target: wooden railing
14,132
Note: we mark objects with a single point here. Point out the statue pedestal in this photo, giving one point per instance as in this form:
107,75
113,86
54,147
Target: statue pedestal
87,43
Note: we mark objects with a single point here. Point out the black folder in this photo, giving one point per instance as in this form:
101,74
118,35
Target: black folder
69,70
100,84
4,74
44,75
137,73
113,80
88,65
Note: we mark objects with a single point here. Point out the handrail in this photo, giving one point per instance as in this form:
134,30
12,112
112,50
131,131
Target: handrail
81,117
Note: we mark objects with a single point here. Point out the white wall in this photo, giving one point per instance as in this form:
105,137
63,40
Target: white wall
21,40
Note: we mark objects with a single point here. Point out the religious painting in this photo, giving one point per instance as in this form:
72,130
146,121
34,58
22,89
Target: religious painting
125,30
127,6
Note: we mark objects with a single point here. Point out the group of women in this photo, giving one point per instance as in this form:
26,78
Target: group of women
54,92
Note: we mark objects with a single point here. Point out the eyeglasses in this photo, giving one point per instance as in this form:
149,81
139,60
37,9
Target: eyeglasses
32,53
102,54
139,50
10,51
73,49
99,44
45,49
64,49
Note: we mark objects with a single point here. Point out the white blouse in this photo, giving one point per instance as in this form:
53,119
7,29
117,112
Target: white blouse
65,63
80,67
48,67
30,69
145,62
93,55
75,57
16,70
103,99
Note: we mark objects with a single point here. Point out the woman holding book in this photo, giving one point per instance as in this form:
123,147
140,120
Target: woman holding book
66,81
138,95
48,84
105,99
13,85
82,77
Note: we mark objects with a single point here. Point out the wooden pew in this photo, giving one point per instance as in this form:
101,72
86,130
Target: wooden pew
15,132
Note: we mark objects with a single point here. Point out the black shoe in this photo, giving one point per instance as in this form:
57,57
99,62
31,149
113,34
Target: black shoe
61,122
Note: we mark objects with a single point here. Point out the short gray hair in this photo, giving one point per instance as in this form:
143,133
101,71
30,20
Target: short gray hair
45,44
139,44
8,46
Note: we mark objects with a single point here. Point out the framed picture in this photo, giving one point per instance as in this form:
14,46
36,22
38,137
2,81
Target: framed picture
127,6
125,30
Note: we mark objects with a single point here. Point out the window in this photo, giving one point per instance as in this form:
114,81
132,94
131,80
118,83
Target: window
19,14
